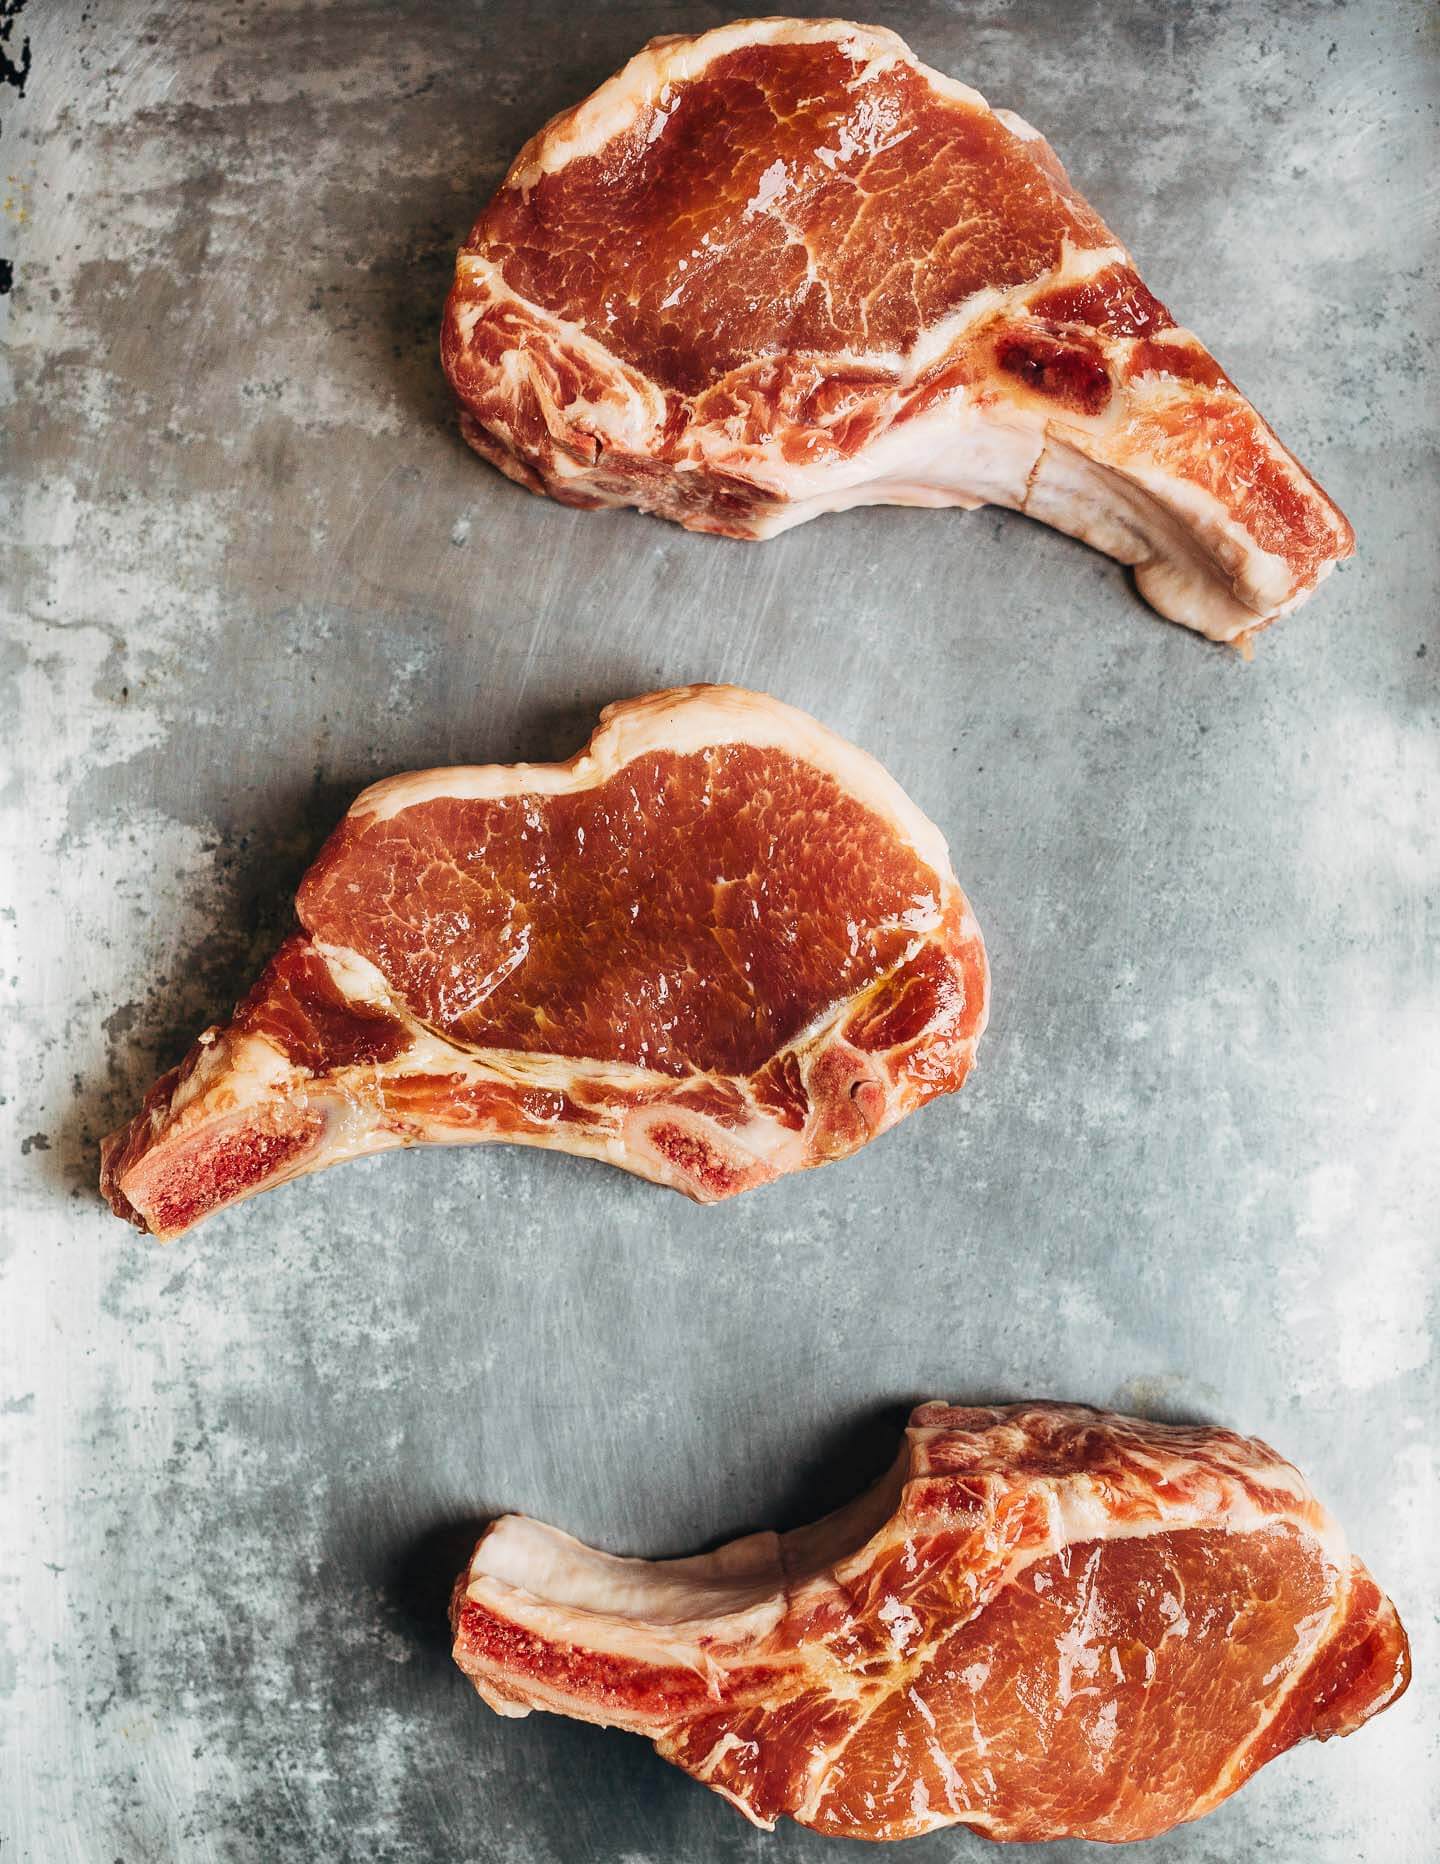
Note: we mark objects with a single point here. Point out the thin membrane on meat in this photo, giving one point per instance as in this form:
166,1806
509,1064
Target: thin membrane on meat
718,945
1045,1622
782,268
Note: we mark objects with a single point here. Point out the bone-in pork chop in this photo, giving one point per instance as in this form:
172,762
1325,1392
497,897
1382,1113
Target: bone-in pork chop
1045,1622
784,268
717,945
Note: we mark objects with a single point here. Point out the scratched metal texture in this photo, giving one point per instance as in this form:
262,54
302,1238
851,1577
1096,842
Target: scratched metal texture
249,567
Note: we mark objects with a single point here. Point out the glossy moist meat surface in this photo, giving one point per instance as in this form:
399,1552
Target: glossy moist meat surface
1045,1622
692,913
783,268
719,945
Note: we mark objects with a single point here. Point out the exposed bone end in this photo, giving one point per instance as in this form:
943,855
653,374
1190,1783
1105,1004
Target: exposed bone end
690,1153
204,1164
542,1621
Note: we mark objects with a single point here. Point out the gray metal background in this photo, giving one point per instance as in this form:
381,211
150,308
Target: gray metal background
249,567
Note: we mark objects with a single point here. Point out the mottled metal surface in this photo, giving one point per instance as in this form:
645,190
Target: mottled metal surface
249,567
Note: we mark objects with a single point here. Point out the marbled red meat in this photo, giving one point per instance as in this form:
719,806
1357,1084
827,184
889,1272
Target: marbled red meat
1045,1622
718,945
783,268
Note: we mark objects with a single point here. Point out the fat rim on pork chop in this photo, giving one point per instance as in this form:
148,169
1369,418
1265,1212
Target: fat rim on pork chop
1044,1622
783,268
718,945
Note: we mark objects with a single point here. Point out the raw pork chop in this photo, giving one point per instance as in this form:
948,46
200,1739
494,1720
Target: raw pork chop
1045,1622
718,945
784,268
